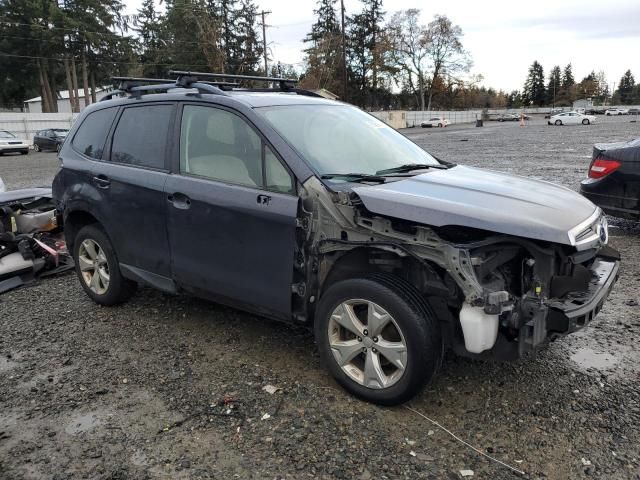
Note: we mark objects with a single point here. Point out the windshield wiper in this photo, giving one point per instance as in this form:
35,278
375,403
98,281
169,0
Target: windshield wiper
409,167
354,177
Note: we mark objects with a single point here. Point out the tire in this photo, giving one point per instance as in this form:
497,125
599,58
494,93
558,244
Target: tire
585,121
24,152
36,147
413,332
58,147
440,125
558,122
116,289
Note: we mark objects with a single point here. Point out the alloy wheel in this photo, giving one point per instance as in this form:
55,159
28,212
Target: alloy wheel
94,266
367,343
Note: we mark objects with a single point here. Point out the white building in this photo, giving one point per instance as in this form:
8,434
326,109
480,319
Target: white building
34,105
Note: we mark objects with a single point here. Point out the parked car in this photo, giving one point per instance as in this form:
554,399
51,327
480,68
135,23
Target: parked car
511,117
571,118
435,122
311,211
634,111
10,143
554,111
50,139
616,111
614,179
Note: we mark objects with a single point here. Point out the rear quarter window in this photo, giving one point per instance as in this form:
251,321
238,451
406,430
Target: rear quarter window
92,134
140,137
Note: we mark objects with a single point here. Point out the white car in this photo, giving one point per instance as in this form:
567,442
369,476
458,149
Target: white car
435,122
9,143
616,111
571,118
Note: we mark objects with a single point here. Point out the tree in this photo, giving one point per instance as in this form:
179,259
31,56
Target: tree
444,50
626,89
410,50
533,92
151,29
555,82
323,56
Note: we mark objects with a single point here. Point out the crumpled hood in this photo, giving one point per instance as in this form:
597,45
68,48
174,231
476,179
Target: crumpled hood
478,198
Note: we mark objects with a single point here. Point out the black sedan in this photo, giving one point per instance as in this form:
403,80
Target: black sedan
614,179
50,139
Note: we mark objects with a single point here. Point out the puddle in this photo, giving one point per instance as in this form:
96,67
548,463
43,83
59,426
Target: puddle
82,423
589,358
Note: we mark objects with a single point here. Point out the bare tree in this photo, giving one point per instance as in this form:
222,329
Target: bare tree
444,51
410,49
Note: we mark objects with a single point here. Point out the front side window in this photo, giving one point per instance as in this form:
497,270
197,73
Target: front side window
219,145
92,134
139,138
339,139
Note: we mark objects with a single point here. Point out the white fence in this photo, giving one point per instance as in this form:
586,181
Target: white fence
25,125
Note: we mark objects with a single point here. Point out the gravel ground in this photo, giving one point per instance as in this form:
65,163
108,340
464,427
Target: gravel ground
172,387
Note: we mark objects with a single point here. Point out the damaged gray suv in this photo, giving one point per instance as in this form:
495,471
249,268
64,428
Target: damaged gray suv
311,211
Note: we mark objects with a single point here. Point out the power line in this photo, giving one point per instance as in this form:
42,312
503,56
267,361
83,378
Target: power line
104,60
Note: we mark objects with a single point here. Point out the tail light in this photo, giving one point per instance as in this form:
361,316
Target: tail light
602,167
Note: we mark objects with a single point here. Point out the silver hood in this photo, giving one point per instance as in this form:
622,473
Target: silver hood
484,199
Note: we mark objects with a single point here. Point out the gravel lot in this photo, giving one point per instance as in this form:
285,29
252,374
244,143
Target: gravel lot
172,387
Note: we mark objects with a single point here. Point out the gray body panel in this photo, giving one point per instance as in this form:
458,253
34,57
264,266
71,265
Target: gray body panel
483,199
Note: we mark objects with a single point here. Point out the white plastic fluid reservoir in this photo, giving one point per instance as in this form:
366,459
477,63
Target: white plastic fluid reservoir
480,329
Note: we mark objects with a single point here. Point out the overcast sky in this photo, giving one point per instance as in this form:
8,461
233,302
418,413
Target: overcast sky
503,36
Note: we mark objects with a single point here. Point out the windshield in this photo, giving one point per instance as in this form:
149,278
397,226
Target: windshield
339,139
59,132
5,134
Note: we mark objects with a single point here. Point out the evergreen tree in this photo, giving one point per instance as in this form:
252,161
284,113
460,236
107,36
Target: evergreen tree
534,92
324,55
567,77
151,29
626,88
554,85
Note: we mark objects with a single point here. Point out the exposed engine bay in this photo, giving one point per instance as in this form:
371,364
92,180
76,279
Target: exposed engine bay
496,295
31,241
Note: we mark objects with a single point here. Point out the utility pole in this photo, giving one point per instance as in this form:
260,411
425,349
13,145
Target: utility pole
344,55
264,41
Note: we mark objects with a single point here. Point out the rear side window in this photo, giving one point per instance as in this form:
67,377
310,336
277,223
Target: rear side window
92,134
140,137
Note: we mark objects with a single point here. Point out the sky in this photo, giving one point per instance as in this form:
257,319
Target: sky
503,36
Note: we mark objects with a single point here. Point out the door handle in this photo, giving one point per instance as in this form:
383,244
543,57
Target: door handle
179,200
102,181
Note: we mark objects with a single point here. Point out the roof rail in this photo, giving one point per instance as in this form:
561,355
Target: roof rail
214,83
138,85
286,84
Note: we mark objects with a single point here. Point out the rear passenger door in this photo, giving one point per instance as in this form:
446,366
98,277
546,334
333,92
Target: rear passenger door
132,181
232,209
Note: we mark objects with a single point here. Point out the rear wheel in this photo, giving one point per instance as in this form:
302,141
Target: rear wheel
440,125
585,121
378,337
25,152
97,267
558,122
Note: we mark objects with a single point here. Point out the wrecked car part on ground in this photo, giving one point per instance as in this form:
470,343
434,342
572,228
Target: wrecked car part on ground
31,242
312,211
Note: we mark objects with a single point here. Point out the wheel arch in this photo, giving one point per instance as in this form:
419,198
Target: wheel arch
366,261
74,221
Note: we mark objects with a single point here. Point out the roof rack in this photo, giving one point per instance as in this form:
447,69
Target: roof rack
286,84
213,83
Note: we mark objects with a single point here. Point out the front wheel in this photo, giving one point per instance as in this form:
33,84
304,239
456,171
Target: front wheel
585,121
558,122
98,269
36,147
378,337
440,125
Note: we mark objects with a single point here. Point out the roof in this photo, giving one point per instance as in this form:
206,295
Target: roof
271,99
64,94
